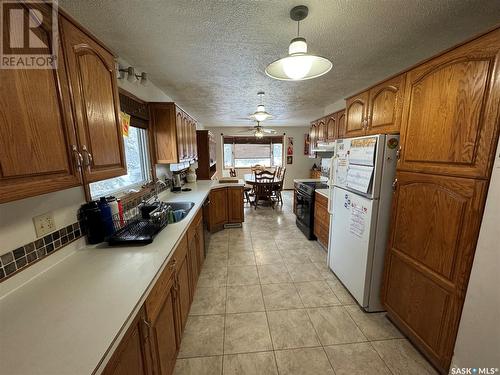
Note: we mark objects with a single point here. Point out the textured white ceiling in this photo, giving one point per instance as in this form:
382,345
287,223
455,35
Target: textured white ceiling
210,55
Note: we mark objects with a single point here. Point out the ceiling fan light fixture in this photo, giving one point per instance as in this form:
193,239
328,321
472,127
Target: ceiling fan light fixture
298,65
259,134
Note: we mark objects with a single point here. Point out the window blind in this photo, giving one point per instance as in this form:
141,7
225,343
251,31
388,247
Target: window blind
252,151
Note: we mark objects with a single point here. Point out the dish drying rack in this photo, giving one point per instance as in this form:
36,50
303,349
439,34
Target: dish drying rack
139,224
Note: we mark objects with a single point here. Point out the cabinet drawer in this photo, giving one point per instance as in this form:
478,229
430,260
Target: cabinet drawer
194,225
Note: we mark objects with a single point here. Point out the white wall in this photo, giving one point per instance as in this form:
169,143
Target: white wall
478,340
16,225
301,163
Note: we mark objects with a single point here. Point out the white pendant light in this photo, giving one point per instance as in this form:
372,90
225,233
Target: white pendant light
261,114
298,65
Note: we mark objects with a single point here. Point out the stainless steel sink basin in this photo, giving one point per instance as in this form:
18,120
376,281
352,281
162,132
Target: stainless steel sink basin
185,206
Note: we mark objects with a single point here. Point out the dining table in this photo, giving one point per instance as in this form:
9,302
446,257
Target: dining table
250,179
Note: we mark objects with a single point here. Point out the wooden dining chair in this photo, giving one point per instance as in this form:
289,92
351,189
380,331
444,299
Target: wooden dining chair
257,168
263,187
278,187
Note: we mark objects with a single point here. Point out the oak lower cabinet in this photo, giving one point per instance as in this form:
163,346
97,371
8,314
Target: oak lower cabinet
152,342
321,219
131,357
173,135
226,207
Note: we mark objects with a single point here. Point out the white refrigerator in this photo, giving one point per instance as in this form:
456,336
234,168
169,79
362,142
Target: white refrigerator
362,174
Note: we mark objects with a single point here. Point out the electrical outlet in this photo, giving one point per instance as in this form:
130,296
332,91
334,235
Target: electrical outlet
44,224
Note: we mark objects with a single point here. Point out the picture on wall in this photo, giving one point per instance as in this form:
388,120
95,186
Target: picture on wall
307,142
289,149
289,159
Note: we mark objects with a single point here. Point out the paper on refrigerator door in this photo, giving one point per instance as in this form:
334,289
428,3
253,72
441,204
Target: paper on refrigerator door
362,151
359,177
341,163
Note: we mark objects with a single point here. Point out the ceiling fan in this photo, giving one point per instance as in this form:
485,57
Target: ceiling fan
258,130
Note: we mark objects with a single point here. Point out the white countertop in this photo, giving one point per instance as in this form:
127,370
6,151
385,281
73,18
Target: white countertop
68,318
323,192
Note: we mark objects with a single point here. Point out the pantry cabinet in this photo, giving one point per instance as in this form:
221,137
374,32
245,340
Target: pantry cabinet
451,111
207,159
435,224
59,128
96,106
173,135
449,132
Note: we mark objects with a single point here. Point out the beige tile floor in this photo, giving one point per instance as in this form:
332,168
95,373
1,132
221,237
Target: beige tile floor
266,303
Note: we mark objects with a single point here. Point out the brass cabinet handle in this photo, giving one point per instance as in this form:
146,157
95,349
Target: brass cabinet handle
398,153
78,157
88,158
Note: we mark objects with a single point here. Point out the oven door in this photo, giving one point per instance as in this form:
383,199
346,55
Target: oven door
304,208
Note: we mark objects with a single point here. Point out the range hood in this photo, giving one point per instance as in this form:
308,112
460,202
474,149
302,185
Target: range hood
324,147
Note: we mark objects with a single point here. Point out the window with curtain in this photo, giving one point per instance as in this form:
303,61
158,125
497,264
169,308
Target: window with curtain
244,152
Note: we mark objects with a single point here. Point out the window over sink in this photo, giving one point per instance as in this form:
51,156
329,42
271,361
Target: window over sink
244,152
138,166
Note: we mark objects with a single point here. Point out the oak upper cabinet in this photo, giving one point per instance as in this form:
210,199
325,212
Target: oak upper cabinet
356,115
130,357
37,134
321,130
235,205
451,110
435,223
94,89
340,124
331,127
172,136
385,106
313,138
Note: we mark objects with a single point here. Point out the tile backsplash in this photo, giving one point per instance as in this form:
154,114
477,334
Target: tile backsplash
22,257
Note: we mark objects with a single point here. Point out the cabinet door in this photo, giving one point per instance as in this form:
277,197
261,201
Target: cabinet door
451,110
312,139
130,357
193,264
163,132
37,130
322,131
341,124
195,142
386,106
235,205
96,104
331,127
434,230
183,292
218,209
200,245
356,112
163,334
179,124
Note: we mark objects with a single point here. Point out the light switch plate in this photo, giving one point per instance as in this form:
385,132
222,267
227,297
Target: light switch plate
44,224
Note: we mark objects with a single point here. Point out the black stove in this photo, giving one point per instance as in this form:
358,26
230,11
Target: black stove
309,187
304,206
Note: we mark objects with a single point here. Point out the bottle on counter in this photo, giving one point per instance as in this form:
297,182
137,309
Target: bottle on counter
106,216
92,220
